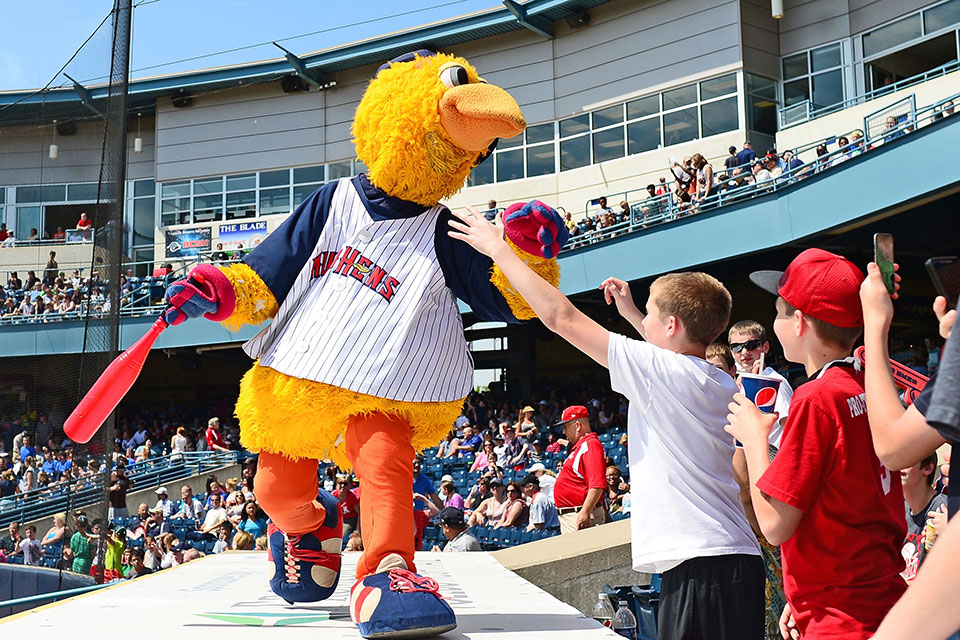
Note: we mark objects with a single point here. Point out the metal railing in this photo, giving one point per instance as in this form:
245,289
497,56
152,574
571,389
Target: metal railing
81,491
795,114
671,210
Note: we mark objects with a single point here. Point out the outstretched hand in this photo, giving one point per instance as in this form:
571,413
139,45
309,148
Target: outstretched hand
471,227
617,291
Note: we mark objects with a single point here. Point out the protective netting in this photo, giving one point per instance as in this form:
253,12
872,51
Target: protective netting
63,154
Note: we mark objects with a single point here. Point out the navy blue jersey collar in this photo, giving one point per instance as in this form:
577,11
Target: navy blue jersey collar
382,206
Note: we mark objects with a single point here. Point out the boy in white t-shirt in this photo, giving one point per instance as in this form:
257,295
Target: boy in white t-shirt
692,528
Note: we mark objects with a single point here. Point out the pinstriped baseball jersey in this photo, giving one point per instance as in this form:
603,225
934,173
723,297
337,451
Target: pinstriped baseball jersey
370,310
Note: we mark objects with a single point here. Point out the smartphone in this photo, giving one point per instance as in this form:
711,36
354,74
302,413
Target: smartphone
945,273
883,256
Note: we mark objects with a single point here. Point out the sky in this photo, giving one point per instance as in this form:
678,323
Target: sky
42,35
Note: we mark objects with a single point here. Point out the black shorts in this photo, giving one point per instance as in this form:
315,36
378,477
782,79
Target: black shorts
713,598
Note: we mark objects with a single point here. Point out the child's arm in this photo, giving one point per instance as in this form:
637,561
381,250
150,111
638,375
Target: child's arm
778,520
900,438
551,306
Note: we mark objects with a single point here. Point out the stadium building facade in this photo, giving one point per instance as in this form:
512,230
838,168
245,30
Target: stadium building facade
612,92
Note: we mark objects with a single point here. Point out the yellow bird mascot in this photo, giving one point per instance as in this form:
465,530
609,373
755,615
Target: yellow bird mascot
365,360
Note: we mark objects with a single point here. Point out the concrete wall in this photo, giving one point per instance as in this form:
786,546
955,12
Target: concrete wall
147,494
574,567
26,258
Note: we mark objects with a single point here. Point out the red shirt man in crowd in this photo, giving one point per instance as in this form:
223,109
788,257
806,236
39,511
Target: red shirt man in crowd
580,484
215,441
84,222
349,504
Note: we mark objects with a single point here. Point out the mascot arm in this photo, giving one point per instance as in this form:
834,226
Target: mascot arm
267,274
474,278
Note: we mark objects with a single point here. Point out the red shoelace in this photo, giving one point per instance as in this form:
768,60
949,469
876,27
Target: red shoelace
293,555
408,582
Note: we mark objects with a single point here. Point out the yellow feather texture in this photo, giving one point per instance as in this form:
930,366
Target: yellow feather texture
305,419
398,135
548,269
255,301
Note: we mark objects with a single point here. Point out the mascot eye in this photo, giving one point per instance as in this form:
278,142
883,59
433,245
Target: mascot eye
454,76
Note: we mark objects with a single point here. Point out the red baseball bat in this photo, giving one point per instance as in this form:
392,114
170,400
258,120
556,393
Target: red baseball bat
109,389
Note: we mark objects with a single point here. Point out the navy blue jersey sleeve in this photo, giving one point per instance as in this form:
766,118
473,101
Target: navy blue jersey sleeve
467,273
280,258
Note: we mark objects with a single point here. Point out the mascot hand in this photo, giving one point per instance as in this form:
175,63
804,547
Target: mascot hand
535,228
205,292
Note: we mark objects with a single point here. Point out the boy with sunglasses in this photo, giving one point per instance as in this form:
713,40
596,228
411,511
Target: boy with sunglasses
747,340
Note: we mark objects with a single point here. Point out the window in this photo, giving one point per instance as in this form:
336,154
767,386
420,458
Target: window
308,174
208,185
540,160
274,178
574,153
716,87
337,170
143,220
509,165
144,188
607,117
86,191
680,126
643,107
45,193
941,16
242,182
28,218
761,104
175,189
481,174
643,135
575,125
815,75
3,195
608,144
891,35
175,211
719,116
680,97
241,204
274,201
540,133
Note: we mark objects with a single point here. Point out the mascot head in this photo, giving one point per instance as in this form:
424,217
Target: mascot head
425,120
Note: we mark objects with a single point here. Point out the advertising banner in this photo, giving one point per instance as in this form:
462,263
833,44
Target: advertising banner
187,242
242,235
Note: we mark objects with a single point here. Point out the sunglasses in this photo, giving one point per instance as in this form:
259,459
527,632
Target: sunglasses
749,345
513,489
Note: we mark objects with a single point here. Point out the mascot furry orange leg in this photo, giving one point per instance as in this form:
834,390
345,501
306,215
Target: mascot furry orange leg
365,361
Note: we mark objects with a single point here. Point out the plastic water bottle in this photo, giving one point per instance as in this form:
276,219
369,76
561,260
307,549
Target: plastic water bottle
624,622
603,611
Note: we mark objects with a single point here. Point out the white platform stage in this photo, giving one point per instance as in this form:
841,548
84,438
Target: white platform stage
227,596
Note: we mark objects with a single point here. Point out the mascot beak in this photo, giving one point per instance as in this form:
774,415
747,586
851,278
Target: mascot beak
474,115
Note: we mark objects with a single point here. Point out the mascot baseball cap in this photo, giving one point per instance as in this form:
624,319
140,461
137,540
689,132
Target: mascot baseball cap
821,284
575,412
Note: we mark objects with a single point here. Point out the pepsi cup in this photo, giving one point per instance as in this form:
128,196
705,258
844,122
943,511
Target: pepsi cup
760,390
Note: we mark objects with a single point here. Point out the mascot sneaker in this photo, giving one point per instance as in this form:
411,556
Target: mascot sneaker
308,566
397,603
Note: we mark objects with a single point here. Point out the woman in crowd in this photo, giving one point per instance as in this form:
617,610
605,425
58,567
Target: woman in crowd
447,448
705,184
253,520
28,479
482,459
234,504
178,443
526,427
56,533
615,490
516,513
490,510
449,495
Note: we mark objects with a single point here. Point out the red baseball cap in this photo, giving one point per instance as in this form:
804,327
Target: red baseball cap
576,412
821,284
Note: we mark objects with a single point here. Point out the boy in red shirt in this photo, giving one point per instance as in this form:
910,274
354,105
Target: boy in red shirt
825,497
